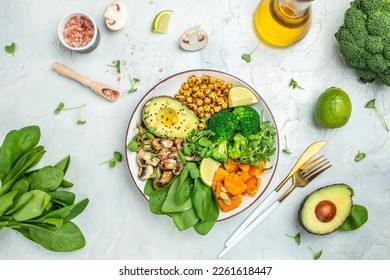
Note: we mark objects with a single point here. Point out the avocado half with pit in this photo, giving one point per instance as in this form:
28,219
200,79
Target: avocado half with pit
166,117
326,209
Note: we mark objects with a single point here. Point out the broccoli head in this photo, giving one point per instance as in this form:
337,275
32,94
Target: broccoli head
248,120
364,39
239,146
223,124
219,150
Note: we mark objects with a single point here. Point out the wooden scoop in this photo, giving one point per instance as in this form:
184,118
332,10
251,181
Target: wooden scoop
99,88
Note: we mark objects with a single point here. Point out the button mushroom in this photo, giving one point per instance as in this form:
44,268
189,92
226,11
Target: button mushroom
146,158
160,143
193,39
116,15
146,172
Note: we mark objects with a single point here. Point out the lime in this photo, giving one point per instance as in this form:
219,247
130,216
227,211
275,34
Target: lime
240,96
333,108
161,21
207,169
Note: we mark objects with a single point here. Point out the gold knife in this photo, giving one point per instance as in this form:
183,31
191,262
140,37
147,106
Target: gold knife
305,157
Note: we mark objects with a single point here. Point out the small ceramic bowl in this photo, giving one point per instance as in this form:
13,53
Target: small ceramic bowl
78,32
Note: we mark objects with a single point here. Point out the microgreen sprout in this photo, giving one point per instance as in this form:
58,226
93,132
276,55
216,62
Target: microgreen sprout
61,107
296,237
371,105
117,157
317,254
286,150
360,156
133,81
10,49
295,85
247,56
117,65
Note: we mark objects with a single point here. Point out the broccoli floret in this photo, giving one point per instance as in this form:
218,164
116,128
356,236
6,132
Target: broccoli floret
223,124
219,150
239,146
248,120
364,38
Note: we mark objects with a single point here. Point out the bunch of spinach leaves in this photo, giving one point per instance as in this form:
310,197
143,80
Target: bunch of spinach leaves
187,199
35,203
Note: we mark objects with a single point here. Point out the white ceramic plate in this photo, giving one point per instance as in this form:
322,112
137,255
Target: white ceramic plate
170,86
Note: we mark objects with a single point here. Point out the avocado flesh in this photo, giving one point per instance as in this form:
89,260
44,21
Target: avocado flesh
166,117
339,195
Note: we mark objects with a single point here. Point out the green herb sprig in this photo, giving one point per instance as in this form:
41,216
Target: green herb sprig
360,156
371,105
296,237
116,158
247,56
286,150
133,81
294,84
316,254
61,107
117,65
10,49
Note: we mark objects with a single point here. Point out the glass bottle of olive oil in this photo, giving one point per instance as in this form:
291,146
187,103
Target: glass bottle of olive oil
283,22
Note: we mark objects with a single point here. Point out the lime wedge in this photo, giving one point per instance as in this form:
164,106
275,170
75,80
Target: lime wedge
207,169
240,96
161,21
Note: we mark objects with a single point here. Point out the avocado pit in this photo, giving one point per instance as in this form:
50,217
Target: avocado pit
325,211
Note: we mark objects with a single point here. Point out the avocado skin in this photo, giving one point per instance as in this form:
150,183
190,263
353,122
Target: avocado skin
186,122
310,195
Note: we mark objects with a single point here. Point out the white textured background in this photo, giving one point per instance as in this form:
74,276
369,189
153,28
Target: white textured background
117,223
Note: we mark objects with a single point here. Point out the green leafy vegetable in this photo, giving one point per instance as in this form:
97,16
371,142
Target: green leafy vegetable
132,145
357,218
31,201
201,199
117,65
203,227
171,205
371,105
294,84
61,107
296,237
117,157
133,81
286,150
186,219
247,56
360,156
10,49
316,254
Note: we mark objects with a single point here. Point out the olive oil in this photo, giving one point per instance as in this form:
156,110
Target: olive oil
283,22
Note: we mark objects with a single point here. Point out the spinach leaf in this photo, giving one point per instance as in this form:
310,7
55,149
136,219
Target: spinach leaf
66,184
185,188
65,239
186,219
148,189
58,222
27,161
34,207
204,227
15,145
357,218
63,164
170,204
201,198
47,179
20,202
6,201
157,199
63,197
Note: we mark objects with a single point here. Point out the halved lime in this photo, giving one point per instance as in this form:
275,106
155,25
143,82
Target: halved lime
241,96
207,169
161,21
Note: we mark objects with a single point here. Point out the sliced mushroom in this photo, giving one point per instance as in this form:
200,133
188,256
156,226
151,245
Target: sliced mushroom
146,158
179,143
160,143
116,15
169,164
190,158
178,167
193,39
166,177
163,154
146,172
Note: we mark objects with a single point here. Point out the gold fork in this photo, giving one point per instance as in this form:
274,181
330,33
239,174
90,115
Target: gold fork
301,178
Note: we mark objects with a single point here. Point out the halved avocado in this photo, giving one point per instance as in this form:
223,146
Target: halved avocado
326,209
166,117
